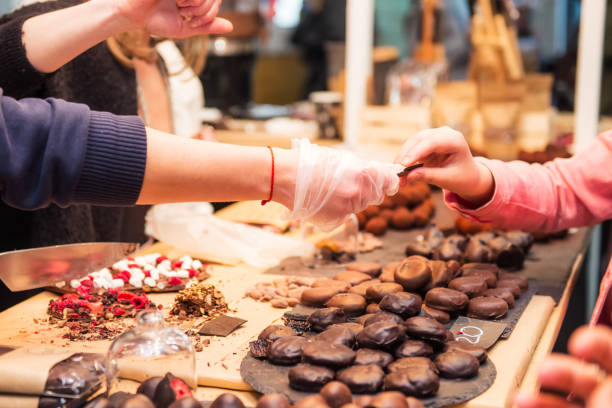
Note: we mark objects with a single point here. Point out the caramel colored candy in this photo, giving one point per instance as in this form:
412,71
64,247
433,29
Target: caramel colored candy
370,268
352,304
413,274
445,299
352,277
318,296
339,285
487,308
470,285
363,287
376,292
275,332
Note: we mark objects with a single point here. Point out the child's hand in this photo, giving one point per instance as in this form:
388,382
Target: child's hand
448,164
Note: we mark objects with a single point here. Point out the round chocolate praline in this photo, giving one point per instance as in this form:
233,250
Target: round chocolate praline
337,335
336,394
275,332
445,299
376,292
502,293
352,304
149,386
401,303
414,381
320,319
488,276
413,348
407,362
425,328
383,317
457,364
327,354
478,352
482,267
286,350
273,400
413,274
306,377
487,308
362,379
472,286
365,356
441,274
380,335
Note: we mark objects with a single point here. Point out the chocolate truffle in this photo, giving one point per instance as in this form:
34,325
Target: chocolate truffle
187,402
425,328
369,268
407,362
312,401
456,364
413,348
421,216
434,313
149,386
318,296
274,332
481,267
327,354
286,350
306,377
383,317
414,381
445,299
363,287
352,304
448,252
470,285
320,319
507,255
273,400
401,303
380,335
402,218
372,308
351,277
388,399
478,352
336,394
482,307
440,273
421,248
362,379
365,356
376,226
376,292
137,401
337,334
488,276
502,293
512,286
413,274
352,326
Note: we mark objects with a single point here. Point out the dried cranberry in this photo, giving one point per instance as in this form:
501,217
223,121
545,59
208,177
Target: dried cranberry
175,281
177,264
124,276
139,302
147,274
181,389
160,259
118,311
125,296
87,283
192,272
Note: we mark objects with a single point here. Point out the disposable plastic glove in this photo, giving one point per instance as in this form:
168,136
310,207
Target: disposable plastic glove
332,184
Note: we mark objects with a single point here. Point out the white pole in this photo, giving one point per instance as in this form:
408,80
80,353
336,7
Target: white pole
588,72
359,38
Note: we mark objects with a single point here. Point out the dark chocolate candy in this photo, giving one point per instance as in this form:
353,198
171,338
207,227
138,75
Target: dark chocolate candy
407,362
318,296
275,332
286,350
482,307
401,303
96,403
488,276
413,274
337,334
137,401
362,319
336,394
476,351
363,287
362,379
352,304
413,348
388,399
445,299
481,267
365,356
380,335
502,293
371,268
227,400
187,402
470,285
372,308
510,285
170,389
507,255
522,282
312,401
306,377
434,313
273,400
441,274
118,397
448,251
221,326
421,248
383,317
351,277
376,292
327,354
476,251
425,328
456,364
149,386
414,381
352,326
320,319
414,402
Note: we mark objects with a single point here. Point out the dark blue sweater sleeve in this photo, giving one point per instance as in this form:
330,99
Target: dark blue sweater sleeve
52,151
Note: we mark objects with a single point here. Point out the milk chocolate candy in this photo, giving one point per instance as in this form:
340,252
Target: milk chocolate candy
502,293
370,268
454,268
413,274
481,267
487,308
352,326
507,255
413,348
170,389
312,401
363,287
521,239
376,292
425,328
448,252
337,334
320,319
383,317
273,400
522,282
227,400
434,313
421,248
388,272
456,364
340,285
352,304
336,394
365,356
470,285
380,335
317,296
414,403
510,285
488,276
363,401
327,354
187,402
149,386
373,308
401,303
306,377
388,399
441,274
351,277
445,299
137,401
362,319
413,381
362,379
274,332
478,352
476,251
407,362
286,350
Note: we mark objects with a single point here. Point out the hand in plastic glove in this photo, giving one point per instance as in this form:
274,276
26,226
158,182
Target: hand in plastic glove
332,184
448,164
573,375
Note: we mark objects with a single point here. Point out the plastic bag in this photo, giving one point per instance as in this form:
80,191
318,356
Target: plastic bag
189,227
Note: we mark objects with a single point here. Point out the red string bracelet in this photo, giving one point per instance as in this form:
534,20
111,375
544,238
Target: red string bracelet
264,202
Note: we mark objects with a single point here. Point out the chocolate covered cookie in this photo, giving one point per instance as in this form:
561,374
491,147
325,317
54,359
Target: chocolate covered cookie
425,328
413,274
318,296
414,381
383,317
488,276
478,352
275,332
456,364
365,356
376,292
403,304
502,293
327,354
407,362
413,348
470,285
370,268
380,335
434,313
363,287
362,379
286,350
320,319
306,377
352,326
351,277
487,308
337,334
352,304
448,300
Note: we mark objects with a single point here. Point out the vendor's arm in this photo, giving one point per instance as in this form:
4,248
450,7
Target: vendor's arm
557,195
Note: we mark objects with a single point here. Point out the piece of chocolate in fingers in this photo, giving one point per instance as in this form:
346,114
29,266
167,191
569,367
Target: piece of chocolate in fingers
408,169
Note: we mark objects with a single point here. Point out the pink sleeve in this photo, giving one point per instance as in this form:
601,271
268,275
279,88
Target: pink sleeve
560,194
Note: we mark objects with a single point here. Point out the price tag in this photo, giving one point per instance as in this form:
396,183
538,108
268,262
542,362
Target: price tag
480,333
